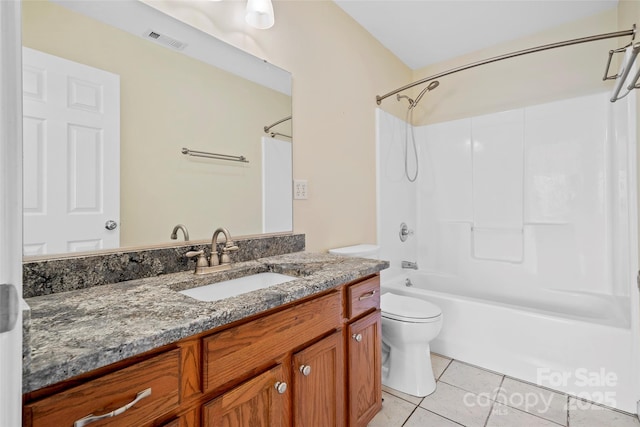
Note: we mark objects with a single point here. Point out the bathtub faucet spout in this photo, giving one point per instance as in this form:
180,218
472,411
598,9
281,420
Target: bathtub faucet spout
409,264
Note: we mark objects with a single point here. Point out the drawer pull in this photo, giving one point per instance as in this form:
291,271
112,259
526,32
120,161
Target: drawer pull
93,418
367,295
357,337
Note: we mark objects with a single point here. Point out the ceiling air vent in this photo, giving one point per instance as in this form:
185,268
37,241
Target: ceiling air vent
165,40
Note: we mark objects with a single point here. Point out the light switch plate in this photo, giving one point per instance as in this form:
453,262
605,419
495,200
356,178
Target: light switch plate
300,190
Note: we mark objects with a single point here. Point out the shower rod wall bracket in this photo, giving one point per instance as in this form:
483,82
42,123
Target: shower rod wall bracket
624,33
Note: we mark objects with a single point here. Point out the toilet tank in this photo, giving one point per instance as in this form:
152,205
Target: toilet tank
359,251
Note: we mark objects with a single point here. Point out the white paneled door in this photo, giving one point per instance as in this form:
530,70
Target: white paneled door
71,129
10,216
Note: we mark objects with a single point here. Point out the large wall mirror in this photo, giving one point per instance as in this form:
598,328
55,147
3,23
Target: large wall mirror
114,91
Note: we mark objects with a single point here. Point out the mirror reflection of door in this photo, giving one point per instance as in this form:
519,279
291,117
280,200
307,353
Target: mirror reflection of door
277,185
71,156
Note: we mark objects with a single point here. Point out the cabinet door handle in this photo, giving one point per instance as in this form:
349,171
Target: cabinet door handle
367,295
281,387
305,369
357,337
93,418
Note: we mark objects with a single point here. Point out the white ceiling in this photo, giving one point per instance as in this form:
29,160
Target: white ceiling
423,32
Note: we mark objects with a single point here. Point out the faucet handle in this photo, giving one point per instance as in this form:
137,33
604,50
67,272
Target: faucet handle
224,256
202,259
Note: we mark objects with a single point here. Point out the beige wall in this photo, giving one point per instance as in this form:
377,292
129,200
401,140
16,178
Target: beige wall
531,79
170,101
337,69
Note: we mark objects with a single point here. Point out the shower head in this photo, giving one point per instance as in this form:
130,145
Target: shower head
434,84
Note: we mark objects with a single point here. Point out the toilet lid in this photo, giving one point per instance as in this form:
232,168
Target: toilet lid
407,308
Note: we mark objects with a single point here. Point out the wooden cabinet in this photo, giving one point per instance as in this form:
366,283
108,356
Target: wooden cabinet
238,351
318,384
306,364
364,368
259,402
364,359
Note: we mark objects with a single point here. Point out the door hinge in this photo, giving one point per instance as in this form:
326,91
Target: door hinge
9,307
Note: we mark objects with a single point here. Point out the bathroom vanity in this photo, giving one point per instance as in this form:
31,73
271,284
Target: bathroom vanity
303,353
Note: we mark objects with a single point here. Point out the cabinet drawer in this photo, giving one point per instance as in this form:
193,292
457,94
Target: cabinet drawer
231,354
103,395
363,296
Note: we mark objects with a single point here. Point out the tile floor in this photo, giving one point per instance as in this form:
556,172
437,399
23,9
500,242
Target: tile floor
473,397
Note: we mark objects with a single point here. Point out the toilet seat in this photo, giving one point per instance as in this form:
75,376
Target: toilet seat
408,309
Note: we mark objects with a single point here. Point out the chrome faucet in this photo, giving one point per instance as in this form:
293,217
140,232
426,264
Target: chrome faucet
223,257
217,261
174,233
409,264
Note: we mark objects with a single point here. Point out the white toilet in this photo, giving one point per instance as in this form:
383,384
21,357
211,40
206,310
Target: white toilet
357,251
408,326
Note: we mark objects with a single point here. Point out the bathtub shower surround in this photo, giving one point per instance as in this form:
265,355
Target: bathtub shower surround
525,237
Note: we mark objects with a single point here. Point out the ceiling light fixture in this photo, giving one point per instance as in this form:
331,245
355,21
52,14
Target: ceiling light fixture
260,14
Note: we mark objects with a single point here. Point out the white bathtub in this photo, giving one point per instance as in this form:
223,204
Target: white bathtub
576,343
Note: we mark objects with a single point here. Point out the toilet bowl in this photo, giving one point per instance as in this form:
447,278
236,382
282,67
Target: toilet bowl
408,326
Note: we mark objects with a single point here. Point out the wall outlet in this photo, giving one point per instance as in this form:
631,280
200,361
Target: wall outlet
300,191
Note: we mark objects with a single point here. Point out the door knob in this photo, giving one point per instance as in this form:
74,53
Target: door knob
111,225
357,337
281,387
305,369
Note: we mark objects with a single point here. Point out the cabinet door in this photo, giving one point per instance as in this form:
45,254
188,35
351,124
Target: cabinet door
318,384
260,402
365,375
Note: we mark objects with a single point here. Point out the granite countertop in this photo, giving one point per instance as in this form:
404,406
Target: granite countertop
74,332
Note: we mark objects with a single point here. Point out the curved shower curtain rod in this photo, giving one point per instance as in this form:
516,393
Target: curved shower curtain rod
274,134
631,32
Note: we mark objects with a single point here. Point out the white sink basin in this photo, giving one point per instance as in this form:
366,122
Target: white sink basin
234,287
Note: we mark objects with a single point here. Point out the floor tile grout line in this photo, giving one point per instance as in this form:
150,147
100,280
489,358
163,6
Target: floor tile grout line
493,402
563,395
536,385
478,367
415,408
445,368
442,416
600,405
406,400
464,389
533,415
